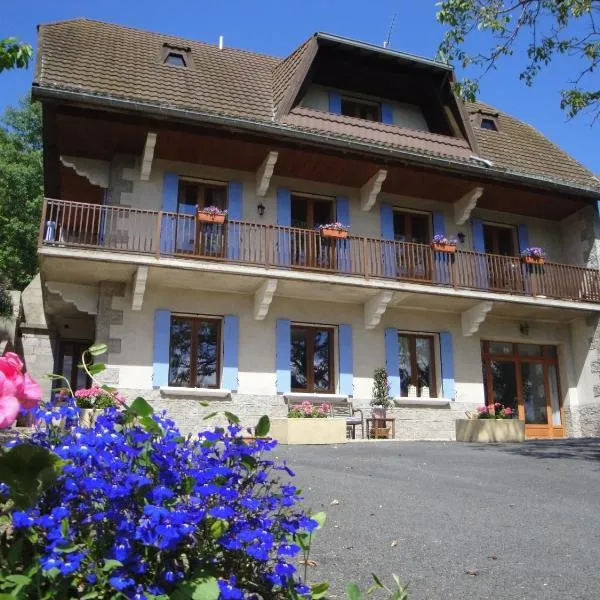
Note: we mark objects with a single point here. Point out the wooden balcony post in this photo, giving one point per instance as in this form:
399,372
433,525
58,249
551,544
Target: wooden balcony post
157,234
365,251
43,222
267,245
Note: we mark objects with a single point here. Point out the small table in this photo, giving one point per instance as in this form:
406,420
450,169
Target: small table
380,428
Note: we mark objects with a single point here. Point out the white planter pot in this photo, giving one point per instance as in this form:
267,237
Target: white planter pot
308,431
87,417
490,430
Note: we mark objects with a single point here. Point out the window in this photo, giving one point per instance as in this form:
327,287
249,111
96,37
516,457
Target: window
176,59
361,109
487,123
412,227
500,239
310,212
311,359
176,56
195,352
417,363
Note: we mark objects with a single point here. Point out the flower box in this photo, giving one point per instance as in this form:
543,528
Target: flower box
339,234
308,431
532,260
205,217
379,433
490,430
448,248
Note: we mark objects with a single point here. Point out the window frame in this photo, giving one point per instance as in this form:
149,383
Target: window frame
433,373
410,214
204,183
310,387
310,200
506,226
195,320
481,116
184,51
358,100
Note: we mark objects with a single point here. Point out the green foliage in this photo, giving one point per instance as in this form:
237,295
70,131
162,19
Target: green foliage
381,389
548,28
14,54
396,592
5,301
21,190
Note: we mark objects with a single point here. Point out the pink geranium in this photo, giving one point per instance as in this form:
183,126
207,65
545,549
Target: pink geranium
17,390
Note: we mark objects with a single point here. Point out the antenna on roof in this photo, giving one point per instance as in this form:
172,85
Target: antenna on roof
220,42
386,43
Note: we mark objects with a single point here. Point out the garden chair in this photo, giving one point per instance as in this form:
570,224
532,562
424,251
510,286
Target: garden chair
345,409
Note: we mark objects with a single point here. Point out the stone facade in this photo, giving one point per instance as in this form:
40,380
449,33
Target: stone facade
106,317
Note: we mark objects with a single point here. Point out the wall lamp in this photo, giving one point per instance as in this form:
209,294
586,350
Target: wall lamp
261,209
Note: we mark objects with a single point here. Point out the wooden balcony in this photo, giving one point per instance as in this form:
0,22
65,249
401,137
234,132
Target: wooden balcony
164,234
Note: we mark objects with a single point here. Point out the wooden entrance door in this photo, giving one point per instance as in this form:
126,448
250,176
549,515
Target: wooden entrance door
525,378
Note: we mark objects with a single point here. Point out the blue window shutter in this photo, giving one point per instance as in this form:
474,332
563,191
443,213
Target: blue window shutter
283,348
598,208
342,210
231,343
439,224
283,239
447,358
523,237
477,231
387,113
284,207
162,340
346,360
335,103
235,193
392,363
387,221
169,204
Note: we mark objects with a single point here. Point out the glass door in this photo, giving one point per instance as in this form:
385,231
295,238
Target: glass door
308,248
413,256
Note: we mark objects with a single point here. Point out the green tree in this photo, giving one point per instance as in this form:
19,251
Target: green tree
21,185
548,28
14,54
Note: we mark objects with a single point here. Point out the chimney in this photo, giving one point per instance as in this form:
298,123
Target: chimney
220,42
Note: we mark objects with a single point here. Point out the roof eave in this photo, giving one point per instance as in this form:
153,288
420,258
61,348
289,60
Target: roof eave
42,92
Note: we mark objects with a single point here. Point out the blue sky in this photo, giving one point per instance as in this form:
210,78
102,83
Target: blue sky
276,27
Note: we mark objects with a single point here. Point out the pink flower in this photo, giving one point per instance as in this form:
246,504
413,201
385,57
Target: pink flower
11,362
7,386
481,409
9,409
29,392
508,410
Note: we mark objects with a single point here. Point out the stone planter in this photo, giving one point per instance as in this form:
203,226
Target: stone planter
87,417
308,431
490,430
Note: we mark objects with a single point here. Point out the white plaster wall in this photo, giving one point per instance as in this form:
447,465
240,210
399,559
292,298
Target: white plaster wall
257,340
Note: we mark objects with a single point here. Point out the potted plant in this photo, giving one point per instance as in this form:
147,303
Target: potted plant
309,423
211,214
381,400
440,243
492,423
533,256
90,401
334,230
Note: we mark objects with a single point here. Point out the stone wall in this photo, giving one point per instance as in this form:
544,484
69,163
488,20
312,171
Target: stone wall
106,317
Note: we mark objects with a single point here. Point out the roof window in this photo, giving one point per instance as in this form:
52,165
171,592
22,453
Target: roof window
175,56
489,124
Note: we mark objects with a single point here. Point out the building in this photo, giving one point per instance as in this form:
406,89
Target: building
142,129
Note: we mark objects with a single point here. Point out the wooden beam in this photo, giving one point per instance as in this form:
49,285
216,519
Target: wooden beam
473,317
148,156
265,172
465,205
375,307
138,288
263,298
371,189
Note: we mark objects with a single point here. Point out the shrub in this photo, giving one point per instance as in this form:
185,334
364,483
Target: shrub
306,410
495,411
138,511
381,389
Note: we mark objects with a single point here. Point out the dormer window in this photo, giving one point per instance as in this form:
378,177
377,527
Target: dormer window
175,56
361,109
488,123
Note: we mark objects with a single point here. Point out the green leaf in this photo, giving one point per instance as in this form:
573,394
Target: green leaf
201,586
318,590
210,416
262,427
19,579
231,417
97,349
353,592
249,461
204,403
217,528
140,408
320,518
377,580
110,564
95,368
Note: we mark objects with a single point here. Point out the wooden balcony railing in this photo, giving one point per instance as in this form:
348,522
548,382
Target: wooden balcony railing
74,224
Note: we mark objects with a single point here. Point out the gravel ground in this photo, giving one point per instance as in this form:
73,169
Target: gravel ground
456,521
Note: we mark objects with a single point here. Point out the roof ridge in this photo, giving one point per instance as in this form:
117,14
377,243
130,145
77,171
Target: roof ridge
160,34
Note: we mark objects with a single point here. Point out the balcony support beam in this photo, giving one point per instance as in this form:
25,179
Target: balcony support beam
465,205
83,297
473,317
376,307
263,298
138,287
265,172
371,189
148,156
95,171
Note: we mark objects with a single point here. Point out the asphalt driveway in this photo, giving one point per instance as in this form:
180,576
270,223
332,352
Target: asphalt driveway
457,520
